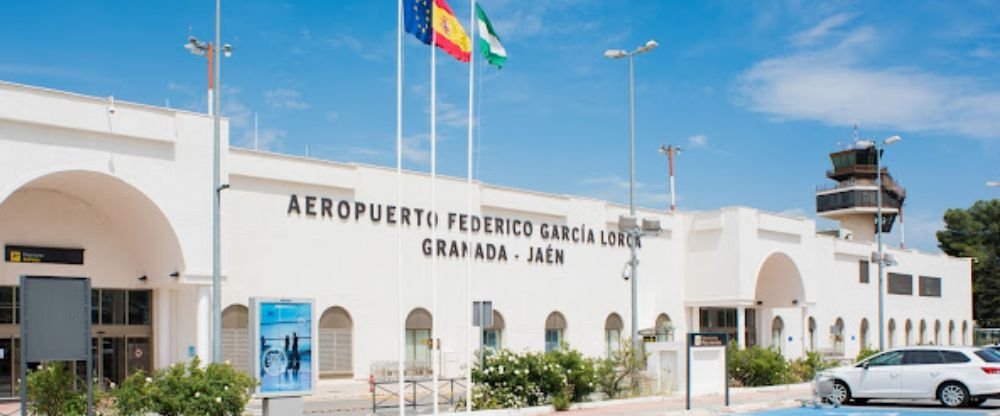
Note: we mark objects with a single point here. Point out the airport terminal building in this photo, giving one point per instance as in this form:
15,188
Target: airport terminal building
125,189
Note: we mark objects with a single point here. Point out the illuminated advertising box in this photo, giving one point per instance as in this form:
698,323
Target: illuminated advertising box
282,334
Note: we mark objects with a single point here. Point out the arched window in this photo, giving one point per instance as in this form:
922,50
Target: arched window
892,333
236,336
336,347
612,333
908,332
838,336
951,332
937,332
923,332
555,331
812,333
418,337
664,328
493,335
863,341
778,333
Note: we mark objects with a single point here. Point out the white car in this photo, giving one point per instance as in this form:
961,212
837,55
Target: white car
957,376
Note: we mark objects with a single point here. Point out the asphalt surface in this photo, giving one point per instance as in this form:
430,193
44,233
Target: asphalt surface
884,408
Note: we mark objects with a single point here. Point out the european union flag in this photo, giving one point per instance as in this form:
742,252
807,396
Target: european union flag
417,18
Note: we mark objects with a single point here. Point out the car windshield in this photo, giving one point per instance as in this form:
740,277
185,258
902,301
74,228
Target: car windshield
888,358
989,355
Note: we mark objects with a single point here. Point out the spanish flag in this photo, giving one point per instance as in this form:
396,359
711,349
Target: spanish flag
446,31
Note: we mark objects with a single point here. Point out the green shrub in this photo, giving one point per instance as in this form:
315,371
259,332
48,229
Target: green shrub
805,368
215,390
579,372
51,391
865,353
619,375
562,400
756,366
132,396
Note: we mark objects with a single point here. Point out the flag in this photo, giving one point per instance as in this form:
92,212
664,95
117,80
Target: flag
489,42
445,29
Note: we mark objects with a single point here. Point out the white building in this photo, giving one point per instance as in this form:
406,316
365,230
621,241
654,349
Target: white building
131,186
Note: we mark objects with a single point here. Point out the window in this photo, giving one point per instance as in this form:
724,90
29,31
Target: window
953,357
493,335
889,358
138,307
664,328
989,355
900,284
930,286
112,307
863,271
612,333
418,337
555,326
922,357
8,308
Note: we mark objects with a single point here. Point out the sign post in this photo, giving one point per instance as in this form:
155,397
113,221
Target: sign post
55,326
282,334
702,340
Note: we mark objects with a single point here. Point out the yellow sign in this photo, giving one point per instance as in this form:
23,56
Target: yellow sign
15,256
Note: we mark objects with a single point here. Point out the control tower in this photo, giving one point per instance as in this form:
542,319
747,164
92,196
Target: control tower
853,200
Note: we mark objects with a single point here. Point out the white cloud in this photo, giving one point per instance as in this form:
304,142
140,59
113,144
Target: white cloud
615,188
416,149
697,141
374,50
285,99
821,30
234,109
834,86
268,139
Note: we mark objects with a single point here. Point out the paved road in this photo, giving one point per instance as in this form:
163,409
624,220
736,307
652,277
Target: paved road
915,408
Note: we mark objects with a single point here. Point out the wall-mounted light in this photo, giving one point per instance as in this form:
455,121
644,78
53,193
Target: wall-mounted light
760,302
795,301
175,274
143,278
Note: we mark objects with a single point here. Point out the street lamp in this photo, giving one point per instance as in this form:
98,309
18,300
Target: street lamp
633,262
881,258
670,151
214,66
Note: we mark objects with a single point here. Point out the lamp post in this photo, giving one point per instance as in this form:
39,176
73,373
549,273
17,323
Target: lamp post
671,151
633,262
214,66
880,258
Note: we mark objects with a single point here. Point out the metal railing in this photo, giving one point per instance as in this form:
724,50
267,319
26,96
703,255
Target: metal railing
416,392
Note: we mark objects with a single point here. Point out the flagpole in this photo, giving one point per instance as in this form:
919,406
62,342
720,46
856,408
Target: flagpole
468,231
401,320
435,355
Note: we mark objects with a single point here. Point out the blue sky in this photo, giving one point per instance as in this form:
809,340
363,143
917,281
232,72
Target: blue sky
758,93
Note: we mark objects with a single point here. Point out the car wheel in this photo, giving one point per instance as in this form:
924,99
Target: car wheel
860,401
841,393
953,394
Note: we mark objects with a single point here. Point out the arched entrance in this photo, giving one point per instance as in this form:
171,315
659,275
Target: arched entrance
235,336
923,332
780,298
129,250
892,333
837,334
812,333
336,347
937,332
951,332
664,328
908,332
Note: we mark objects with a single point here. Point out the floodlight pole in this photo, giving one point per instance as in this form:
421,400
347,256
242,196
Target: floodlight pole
216,194
633,261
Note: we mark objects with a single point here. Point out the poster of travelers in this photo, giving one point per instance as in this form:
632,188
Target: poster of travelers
283,341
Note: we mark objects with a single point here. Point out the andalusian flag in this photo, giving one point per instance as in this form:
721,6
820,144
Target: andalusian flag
447,33
489,42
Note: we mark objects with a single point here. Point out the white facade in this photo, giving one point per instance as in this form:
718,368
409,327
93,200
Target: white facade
131,185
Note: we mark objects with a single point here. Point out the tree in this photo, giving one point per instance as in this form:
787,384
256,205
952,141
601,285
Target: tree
975,233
